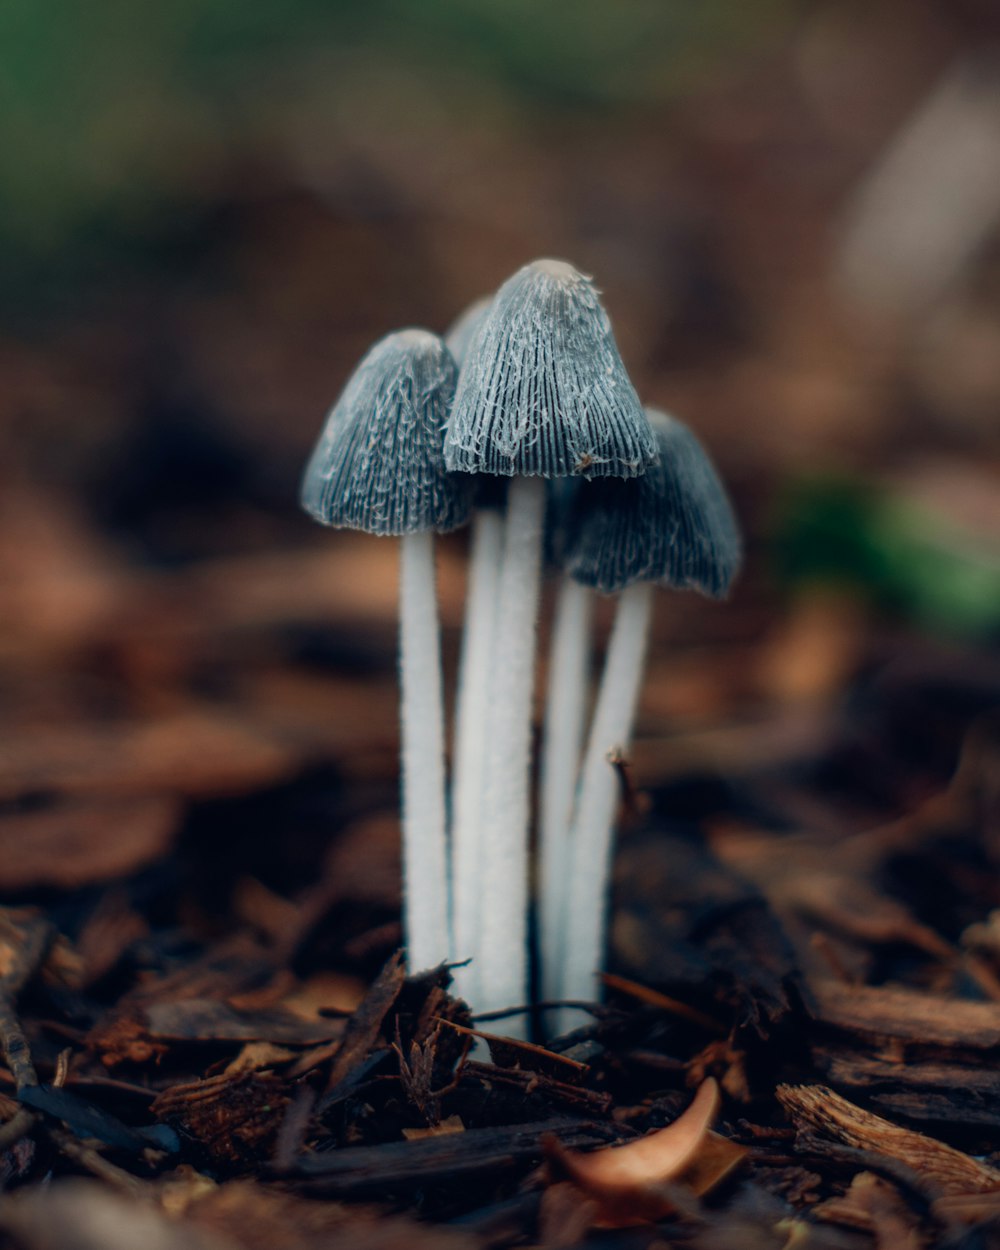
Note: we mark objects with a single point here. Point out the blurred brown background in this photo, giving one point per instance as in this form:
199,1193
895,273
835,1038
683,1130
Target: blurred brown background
211,208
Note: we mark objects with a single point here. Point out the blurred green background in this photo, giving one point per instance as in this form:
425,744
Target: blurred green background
118,118
210,208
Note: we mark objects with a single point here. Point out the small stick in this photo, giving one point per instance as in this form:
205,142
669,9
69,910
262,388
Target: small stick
30,944
628,796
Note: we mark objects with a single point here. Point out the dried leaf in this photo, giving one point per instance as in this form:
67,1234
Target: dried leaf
76,842
564,1218
627,1182
206,1020
874,1206
124,1038
715,1158
197,753
256,1056
83,1215
256,1218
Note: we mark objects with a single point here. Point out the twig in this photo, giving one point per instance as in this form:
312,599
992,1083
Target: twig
95,1163
627,792
29,944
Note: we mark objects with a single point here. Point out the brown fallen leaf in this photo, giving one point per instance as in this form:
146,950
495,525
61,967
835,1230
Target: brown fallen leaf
256,1056
124,1038
110,929
85,1215
818,1108
628,1182
195,752
254,1217
564,1217
713,1161
79,841
207,1020
874,1206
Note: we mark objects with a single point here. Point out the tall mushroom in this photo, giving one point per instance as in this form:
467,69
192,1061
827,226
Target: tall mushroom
379,467
566,702
542,393
673,527
471,734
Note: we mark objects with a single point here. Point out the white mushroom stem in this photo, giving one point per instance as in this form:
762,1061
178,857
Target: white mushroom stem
565,709
471,740
425,863
592,832
506,811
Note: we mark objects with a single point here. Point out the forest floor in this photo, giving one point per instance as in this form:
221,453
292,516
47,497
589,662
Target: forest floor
210,1037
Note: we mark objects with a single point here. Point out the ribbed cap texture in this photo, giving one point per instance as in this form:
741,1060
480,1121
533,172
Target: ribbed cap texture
543,390
459,335
674,526
379,463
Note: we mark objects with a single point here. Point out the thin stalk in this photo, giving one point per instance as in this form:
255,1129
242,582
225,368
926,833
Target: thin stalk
565,708
592,834
471,737
506,811
425,864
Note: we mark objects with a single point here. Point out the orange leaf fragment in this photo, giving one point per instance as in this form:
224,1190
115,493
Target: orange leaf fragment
628,1182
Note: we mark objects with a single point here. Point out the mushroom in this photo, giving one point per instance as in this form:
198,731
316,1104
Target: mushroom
543,393
472,701
562,745
672,527
379,467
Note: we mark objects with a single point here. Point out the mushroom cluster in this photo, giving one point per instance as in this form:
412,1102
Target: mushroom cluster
523,419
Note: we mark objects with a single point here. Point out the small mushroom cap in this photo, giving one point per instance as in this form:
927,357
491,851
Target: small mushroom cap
543,391
379,463
459,335
674,526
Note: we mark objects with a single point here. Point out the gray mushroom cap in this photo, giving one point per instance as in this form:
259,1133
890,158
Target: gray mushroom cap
379,463
543,391
674,526
459,335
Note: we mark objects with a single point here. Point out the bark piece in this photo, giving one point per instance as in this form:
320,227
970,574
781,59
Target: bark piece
686,922
406,1166
828,1115
235,1117
365,1026
925,1022
928,1094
